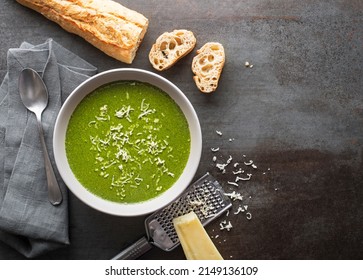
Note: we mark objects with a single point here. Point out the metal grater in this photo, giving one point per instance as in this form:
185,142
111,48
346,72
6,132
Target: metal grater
205,197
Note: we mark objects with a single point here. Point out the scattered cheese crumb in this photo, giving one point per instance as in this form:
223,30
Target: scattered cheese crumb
232,183
239,210
221,166
234,196
224,225
243,179
239,171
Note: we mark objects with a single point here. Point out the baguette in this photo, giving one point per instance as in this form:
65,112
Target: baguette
207,66
107,25
171,47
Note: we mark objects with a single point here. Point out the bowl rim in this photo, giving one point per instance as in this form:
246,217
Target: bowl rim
115,208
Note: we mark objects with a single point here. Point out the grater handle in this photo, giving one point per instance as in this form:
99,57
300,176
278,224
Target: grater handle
135,250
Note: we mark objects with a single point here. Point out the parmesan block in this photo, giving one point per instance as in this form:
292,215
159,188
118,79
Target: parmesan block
194,239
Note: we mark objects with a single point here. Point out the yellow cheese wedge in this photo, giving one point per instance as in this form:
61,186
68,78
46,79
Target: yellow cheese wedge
194,239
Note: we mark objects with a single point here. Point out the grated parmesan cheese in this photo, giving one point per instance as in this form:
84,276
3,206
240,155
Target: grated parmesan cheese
239,210
232,183
234,196
240,175
225,226
243,179
147,147
239,171
221,166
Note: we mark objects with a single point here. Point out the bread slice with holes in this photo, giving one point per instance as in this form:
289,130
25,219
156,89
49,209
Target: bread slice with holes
207,66
171,47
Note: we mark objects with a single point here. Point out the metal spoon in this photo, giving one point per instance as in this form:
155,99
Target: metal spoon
34,95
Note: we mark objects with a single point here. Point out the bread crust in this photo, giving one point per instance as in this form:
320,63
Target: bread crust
170,47
207,66
107,25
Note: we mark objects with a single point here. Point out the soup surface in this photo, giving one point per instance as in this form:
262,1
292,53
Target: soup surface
127,142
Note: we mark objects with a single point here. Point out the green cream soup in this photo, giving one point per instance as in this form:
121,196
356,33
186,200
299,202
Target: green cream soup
127,142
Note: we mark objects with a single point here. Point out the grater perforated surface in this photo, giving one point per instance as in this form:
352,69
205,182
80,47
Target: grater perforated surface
205,197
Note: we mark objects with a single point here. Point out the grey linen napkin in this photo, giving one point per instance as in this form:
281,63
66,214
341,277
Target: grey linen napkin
28,222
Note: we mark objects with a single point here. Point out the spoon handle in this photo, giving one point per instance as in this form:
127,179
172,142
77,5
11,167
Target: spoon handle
54,192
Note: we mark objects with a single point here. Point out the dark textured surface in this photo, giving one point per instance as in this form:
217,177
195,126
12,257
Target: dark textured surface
298,114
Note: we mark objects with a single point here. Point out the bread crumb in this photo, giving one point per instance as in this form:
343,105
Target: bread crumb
248,65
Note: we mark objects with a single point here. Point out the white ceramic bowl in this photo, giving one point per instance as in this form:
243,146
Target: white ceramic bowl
126,209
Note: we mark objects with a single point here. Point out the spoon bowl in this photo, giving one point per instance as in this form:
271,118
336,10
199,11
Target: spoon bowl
34,95
33,92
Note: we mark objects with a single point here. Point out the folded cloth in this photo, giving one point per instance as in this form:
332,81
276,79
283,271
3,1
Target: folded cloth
28,221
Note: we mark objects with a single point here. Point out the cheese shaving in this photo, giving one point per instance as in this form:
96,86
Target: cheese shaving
243,179
224,225
234,196
239,210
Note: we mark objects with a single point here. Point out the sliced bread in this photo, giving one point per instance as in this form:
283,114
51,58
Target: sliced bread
171,47
207,66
